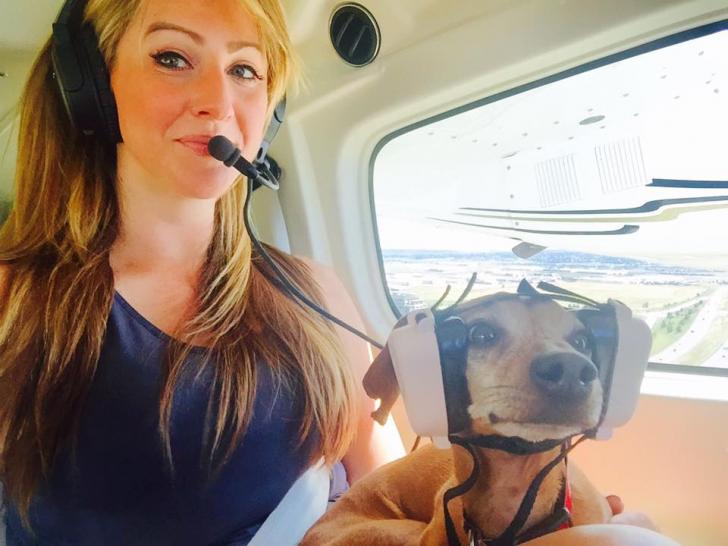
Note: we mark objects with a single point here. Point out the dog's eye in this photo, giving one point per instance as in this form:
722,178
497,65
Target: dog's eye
482,334
581,343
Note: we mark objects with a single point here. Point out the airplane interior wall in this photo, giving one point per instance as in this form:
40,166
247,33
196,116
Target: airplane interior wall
671,459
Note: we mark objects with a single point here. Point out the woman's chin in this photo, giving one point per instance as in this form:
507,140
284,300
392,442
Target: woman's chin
207,187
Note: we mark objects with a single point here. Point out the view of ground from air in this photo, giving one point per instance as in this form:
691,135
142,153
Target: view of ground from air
686,307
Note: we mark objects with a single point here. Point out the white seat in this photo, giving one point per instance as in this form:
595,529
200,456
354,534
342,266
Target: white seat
303,504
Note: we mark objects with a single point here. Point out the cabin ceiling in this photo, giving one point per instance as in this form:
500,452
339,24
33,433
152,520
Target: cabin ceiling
24,26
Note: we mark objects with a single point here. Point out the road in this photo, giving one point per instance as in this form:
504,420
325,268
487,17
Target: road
699,329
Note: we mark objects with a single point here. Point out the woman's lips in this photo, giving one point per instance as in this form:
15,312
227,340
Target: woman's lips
197,144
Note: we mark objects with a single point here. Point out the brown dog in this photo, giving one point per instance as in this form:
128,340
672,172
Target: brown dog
528,374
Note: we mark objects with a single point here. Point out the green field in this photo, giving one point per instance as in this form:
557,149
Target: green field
674,325
638,297
716,337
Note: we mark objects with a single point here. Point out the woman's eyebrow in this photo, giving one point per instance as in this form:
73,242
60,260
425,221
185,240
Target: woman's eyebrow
197,38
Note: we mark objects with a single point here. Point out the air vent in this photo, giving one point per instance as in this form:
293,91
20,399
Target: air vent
354,34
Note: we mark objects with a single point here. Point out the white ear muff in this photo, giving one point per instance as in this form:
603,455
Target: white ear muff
634,341
416,361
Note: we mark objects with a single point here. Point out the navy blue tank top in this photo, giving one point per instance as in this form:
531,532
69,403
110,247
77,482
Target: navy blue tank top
118,490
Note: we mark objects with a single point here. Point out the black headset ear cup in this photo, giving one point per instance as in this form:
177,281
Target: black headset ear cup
105,108
602,327
82,76
452,342
452,335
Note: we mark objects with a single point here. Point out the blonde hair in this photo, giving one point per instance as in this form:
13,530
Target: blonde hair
60,287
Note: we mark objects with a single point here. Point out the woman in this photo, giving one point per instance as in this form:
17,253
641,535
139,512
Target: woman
155,386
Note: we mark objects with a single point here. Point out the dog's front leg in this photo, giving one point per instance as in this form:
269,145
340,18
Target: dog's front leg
390,507
357,521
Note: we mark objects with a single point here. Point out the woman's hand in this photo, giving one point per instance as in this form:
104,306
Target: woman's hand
637,519
603,535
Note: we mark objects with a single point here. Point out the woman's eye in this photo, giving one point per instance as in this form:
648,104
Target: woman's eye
581,343
482,334
244,72
171,60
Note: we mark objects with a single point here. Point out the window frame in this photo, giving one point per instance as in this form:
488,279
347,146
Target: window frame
660,43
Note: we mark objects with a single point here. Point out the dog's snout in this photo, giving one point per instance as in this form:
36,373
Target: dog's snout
566,376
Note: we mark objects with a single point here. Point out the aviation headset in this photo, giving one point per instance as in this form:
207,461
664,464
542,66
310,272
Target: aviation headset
427,345
83,81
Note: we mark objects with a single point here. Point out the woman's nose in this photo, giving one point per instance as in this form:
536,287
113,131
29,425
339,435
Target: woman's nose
212,97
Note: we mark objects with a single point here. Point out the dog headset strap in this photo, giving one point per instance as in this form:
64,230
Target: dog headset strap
467,485
560,518
510,535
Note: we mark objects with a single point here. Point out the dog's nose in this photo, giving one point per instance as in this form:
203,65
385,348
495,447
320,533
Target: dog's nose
566,376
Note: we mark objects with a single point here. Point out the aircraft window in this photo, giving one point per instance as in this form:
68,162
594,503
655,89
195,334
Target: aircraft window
609,180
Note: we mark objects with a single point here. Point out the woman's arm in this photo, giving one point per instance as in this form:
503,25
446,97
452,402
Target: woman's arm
374,444
603,535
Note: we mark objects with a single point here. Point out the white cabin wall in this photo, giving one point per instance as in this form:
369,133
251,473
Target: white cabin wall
428,64
671,460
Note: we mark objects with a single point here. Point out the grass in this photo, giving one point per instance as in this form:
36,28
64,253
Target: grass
641,298
673,326
714,340
716,337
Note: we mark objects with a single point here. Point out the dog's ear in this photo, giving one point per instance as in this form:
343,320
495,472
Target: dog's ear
380,382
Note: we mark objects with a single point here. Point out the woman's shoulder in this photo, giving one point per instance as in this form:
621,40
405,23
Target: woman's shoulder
324,275
336,296
332,287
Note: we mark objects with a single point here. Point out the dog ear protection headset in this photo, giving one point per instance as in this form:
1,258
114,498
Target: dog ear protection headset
83,82
426,338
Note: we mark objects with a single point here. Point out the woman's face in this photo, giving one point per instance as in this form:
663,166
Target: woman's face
185,71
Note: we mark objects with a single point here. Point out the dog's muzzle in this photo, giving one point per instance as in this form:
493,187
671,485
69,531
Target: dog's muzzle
566,378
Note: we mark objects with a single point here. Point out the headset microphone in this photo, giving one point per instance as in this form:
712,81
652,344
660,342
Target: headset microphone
223,150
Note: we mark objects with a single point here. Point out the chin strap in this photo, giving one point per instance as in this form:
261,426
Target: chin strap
517,446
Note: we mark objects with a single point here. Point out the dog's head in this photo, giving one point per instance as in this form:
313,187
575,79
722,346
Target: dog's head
529,369
525,369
